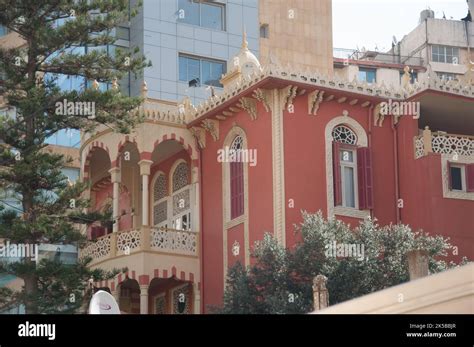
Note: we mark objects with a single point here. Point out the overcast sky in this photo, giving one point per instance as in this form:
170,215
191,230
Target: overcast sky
370,23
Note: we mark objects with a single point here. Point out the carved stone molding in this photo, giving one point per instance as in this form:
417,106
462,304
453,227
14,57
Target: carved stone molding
264,96
250,106
287,95
342,100
200,135
314,101
353,102
429,80
212,126
378,116
330,98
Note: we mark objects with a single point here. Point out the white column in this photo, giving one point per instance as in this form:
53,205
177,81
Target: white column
197,299
195,200
115,178
116,295
145,166
144,299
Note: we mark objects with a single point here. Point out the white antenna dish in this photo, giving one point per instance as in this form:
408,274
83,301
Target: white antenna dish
103,303
394,40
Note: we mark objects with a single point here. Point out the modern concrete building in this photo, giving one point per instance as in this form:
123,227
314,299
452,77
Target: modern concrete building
443,45
440,45
188,40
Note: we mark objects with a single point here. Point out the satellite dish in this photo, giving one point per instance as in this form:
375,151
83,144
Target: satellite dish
103,303
394,40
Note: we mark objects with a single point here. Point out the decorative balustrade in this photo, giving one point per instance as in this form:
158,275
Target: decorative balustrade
129,241
162,240
99,249
177,241
443,143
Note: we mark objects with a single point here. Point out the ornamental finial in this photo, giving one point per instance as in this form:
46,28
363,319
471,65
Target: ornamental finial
144,89
245,44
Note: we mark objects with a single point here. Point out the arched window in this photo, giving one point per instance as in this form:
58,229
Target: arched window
236,179
160,204
344,134
181,197
352,169
180,176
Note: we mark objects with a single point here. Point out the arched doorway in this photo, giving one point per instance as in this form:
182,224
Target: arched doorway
129,299
170,296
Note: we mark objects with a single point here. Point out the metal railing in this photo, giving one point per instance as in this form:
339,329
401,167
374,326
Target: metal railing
380,57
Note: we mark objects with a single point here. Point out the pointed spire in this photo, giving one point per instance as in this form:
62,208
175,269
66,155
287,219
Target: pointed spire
245,44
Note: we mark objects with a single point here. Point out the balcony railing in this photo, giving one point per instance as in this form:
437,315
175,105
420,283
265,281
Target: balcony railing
443,143
381,57
161,240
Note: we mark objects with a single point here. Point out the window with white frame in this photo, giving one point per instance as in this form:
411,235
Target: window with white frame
445,54
172,210
352,171
181,198
160,201
461,177
347,160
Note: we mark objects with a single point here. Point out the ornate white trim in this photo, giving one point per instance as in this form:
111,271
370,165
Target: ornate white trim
361,141
200,136
250,106
212,126
351,212
287,96
281,98
447,193
315,99
236,221
227,222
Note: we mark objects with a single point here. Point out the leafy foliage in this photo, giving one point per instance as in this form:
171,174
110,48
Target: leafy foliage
280,280
54,33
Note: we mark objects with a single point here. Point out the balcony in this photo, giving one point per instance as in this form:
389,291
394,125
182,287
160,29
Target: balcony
154,240
443,143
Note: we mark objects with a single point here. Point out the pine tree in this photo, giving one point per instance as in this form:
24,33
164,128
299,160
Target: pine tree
50,207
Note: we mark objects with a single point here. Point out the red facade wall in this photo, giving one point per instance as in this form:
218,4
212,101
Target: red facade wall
260,189
305,162
105,194
422,192
418,182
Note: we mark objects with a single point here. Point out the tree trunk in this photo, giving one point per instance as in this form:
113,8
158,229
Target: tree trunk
31,288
